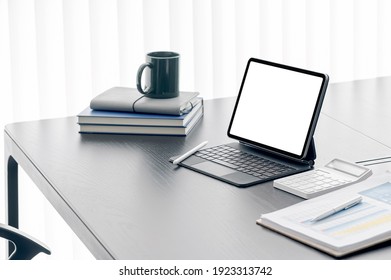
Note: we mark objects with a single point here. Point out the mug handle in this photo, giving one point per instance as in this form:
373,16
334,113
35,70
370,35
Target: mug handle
139,74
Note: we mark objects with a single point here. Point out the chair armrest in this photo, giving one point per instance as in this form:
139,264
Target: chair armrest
27,246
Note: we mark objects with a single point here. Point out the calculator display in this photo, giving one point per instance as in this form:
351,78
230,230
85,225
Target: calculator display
346,167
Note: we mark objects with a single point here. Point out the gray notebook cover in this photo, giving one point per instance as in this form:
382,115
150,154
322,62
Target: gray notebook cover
130,100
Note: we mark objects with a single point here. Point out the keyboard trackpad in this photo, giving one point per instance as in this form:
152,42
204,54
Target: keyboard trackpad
213,168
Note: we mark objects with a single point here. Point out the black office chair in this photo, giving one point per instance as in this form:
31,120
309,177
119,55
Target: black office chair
26,247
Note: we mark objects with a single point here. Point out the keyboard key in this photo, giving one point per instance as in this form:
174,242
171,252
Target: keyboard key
243,162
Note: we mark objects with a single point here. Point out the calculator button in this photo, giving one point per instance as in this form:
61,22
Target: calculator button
316,182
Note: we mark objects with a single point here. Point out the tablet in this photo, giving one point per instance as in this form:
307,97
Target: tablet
278,107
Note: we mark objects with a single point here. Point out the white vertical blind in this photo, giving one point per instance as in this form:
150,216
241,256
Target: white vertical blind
23,56
50,57
294,34
203,51
104,45
318,35
247,35
271,30
181,25
156,25
131,39
224,47
383,54
342,40
365,38
77,52
6,100
55,55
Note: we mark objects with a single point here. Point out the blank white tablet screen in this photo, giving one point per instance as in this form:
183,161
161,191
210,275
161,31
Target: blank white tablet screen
276,107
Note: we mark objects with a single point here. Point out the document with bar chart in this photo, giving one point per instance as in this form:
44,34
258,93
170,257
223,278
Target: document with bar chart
346,231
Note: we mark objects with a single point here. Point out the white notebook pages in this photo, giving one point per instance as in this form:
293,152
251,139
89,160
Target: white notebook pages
347,231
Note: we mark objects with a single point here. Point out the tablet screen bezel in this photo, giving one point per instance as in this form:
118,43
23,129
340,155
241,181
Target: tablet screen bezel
315,114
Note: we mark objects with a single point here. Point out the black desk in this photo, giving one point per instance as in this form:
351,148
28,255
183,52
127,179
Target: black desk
364,106
124,200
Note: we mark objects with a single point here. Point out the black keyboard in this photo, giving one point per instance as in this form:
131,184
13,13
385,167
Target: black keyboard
243,162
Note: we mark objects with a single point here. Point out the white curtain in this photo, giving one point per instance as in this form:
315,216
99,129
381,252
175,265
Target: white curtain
55,55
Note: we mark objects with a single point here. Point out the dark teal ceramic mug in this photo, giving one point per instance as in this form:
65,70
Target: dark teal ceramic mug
162,79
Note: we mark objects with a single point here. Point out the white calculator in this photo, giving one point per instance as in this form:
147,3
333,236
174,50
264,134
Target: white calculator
334,175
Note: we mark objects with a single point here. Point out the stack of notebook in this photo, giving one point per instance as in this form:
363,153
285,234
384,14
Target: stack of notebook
122,110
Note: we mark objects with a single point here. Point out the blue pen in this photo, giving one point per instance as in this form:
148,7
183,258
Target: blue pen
339,208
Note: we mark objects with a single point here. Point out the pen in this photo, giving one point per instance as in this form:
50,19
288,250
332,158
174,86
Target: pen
339,208
189,153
